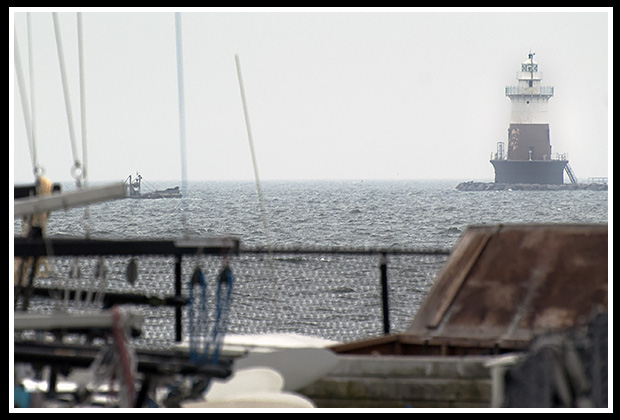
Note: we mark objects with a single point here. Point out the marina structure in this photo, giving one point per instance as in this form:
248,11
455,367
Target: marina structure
528,158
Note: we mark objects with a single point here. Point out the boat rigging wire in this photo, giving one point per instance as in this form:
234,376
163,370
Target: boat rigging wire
252,151
258,184
77,170
26,107
82,97
36,169
181,104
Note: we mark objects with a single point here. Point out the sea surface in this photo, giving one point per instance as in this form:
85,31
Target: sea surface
331,296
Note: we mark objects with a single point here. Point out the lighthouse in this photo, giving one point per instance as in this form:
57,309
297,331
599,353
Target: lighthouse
526,157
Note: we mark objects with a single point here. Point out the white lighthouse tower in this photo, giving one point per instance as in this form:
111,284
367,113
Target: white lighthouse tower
528,158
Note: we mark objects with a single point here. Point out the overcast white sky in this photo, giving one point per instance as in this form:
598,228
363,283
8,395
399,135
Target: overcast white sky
370,94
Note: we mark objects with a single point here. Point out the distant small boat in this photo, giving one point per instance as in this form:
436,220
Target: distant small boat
135,190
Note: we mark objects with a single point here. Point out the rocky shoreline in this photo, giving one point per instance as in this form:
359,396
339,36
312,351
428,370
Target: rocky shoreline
493,186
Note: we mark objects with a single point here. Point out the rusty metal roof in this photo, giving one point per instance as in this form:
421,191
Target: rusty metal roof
504,284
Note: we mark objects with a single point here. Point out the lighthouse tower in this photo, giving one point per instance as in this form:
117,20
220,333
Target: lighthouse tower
527,157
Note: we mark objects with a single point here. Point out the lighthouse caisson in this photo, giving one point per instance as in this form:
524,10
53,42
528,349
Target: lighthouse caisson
526,157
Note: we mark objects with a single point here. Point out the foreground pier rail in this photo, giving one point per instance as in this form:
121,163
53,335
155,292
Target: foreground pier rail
314,277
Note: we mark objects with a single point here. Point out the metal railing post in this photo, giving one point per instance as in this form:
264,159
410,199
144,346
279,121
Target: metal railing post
178,311
384,293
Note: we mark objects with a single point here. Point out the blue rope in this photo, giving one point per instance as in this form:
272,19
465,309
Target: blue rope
200,341
224,295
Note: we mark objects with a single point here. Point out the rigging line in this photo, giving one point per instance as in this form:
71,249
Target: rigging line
253,153
181,101
36,168
63,74
86,216
21,86
82,95
258,185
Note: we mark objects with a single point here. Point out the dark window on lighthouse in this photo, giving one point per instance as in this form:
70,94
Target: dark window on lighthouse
531,83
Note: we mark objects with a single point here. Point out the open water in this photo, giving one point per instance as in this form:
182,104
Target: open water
334,297
411,214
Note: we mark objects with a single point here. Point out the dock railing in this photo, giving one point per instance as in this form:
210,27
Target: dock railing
334,293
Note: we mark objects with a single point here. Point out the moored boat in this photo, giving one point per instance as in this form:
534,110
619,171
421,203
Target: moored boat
135,190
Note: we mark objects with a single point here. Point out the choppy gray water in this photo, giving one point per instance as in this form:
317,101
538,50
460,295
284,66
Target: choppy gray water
332,213
331,296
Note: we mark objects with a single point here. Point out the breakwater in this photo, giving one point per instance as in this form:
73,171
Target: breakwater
494,186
